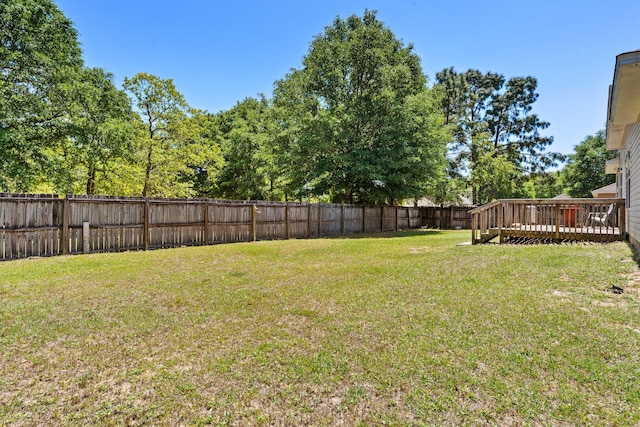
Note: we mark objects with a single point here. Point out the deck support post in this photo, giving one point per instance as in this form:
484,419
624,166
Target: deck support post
557,210
622,225
500,222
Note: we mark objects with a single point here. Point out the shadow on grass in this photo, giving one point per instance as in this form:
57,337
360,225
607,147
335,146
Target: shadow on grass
386,234
635,252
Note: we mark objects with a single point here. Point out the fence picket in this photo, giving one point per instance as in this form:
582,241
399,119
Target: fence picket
45,225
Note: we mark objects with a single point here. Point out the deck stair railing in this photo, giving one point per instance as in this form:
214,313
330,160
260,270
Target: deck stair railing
555,219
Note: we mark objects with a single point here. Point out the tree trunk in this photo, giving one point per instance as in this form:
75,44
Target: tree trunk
91,181
147,172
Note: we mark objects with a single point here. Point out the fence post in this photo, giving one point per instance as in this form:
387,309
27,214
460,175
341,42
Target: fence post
85,237
396,218
286,219
146,224
206,222
451,217
309,212
65,226
342,219
319,220
381,218
254,211
364,222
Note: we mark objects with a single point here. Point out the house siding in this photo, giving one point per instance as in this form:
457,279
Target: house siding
631,179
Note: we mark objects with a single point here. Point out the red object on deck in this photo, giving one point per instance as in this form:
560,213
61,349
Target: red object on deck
570,213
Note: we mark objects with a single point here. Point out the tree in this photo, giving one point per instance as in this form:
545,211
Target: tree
542,186
39,59
446,190
173,144
493,117
494,177
360,123
205,154
249,171
584,170
102,132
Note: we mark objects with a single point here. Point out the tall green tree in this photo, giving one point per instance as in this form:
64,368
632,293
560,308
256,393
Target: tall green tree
584,170
174,140
39,59
101,137
205,154
543,186
493,119
494,177
361,124
246,135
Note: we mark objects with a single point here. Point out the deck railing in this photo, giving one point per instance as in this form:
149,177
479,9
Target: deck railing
556,219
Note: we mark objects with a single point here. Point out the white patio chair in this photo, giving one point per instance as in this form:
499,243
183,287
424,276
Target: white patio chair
603,219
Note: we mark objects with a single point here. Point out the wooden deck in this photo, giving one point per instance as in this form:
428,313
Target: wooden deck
556,219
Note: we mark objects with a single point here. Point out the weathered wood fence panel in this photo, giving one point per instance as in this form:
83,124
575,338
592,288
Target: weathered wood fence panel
353,216
29,226
114,224
299,221
447,218
46,225
331,219
230,223
271,222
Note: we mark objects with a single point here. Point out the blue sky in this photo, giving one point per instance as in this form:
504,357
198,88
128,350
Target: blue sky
219,53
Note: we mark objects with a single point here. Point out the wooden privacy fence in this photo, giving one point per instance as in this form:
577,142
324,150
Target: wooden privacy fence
446,218
45,225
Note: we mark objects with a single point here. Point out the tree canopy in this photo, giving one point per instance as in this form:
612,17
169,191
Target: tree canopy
39,59
493,123
173,141
100,137
356,122
246,135
584,170
361,123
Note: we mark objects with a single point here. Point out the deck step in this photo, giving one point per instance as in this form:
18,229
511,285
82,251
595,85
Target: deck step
485,237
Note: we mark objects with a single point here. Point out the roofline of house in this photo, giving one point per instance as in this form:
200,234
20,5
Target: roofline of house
615,131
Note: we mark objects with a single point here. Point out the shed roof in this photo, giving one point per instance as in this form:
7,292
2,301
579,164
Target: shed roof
611,188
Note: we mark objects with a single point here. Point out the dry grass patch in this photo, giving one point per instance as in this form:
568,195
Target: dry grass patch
409,330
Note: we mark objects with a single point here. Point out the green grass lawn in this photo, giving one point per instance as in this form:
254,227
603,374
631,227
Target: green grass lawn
402,329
